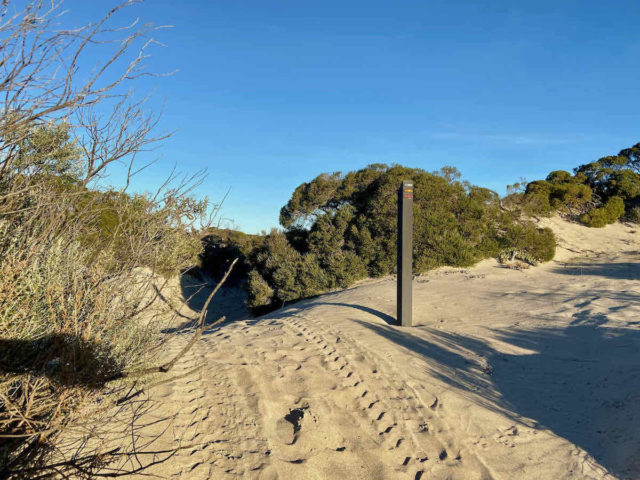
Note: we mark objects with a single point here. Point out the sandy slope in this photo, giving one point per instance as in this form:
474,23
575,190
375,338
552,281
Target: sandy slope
508,375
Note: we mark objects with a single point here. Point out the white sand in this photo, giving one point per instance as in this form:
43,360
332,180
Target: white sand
508,374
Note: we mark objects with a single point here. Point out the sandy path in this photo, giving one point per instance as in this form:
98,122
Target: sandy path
281,398
508,375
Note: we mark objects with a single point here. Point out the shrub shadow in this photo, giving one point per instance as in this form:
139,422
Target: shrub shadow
229,302
372,311
614,270
65,359
582,381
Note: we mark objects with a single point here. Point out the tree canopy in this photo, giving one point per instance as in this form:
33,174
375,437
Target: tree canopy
339,228
598,193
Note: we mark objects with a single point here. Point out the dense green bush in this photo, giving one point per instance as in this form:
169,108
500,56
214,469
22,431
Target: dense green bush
340,228
290,275
258,290
617,175
560,191
529,243
595,191
536,198
633,214
567,190
450,221
608,213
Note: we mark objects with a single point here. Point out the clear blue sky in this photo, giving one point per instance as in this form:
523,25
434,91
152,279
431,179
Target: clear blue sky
268,94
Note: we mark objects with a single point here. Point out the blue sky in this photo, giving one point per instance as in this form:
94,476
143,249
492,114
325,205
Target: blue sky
268,94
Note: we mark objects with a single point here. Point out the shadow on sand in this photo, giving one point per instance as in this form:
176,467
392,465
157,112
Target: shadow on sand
229,302
65,359
617,270
388,319
582,380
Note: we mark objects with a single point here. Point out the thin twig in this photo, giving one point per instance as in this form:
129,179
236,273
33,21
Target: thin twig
199,328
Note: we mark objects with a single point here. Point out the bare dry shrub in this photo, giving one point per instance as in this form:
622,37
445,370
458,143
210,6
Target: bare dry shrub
517,265
78,263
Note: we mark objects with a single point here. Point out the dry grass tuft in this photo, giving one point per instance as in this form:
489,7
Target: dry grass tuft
79,265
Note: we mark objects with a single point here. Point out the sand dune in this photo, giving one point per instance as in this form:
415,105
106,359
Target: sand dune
508,374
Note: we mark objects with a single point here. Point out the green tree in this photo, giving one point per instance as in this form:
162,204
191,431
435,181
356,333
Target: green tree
348,222
617,175
608,213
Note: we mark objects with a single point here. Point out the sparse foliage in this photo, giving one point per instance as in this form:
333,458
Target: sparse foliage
77,263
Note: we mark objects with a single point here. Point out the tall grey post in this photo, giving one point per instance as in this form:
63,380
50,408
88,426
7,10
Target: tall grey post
405,253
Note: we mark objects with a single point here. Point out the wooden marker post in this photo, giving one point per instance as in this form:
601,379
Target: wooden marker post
405,253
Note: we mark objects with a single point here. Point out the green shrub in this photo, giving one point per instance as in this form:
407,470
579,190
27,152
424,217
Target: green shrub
633,214
560,191
342,268
609,213
345,227
341,228
559,176
259,292
624,184
569,194
288,273
615,176
312,278
221,246
599,174
600,182
529,242
536,198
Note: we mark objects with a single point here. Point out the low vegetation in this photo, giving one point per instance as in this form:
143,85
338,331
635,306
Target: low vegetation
339,228
608,213
342,228
78,261
597,194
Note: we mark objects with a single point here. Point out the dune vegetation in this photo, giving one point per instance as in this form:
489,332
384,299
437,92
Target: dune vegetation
339,228
597,194
79,260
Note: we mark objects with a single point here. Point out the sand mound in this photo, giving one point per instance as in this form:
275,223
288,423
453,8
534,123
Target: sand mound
508,374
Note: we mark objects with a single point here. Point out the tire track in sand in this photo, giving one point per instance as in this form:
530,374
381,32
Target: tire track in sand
422,442
217,416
